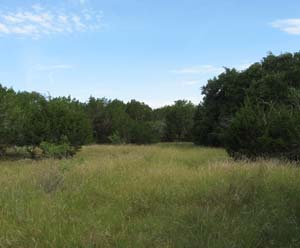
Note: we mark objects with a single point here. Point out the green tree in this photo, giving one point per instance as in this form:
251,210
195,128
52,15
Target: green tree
264,131
179,121
96,109
138,111
68,119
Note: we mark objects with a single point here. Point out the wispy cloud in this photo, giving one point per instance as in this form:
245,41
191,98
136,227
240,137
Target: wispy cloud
290,26
198,75
47,72
38,21
201,69
207,69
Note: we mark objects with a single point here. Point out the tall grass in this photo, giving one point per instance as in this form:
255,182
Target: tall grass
171,195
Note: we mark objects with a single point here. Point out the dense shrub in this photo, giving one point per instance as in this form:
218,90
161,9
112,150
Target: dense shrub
255,112
116,139
260,131
28,119
144,133
63,150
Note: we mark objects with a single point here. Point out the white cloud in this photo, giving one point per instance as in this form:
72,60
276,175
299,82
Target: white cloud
201,69
3,29
38,21
290,26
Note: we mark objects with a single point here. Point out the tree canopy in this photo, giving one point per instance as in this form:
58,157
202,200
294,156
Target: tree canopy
29,119
254,112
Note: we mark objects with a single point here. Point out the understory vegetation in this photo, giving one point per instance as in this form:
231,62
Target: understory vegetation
170,195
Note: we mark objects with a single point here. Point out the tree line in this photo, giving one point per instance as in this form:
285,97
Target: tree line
60,126
252,113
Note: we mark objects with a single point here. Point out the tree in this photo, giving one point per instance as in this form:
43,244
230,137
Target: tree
253,112
144,133
179,121
222,98
68,119
9,122
96,109
138,111
264,131
33,119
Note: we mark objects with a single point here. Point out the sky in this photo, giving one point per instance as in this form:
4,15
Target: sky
154,51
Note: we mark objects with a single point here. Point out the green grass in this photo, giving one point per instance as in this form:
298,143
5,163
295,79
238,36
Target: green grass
166,195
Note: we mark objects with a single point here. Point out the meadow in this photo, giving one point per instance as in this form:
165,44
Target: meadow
164,195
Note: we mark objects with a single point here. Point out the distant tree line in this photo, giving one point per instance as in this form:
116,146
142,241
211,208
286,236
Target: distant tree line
60,126
255,112
114,121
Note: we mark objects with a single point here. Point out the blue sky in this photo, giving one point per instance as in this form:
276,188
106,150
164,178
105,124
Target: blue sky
155,51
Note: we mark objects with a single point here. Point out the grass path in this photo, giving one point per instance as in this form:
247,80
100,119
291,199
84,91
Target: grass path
171,195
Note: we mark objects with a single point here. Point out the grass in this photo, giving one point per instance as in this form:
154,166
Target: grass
166,195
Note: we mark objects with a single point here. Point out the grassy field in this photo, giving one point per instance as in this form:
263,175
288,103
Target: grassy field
174,195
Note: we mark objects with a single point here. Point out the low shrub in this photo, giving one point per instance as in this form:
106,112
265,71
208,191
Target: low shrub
116,139
34,152
59,151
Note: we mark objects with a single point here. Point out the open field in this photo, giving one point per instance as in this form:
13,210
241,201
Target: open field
171,195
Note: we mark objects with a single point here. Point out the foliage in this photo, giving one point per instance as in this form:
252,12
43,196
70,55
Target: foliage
259,131
63,150
138,111
179,121
135,122
253,112
68,119
9,118
115,139
28,119
144,133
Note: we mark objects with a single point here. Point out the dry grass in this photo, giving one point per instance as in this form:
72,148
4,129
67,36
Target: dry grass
171,195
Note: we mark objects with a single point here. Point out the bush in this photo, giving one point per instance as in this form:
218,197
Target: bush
34,152
59,151
260,131
67,118
116,139
144,133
